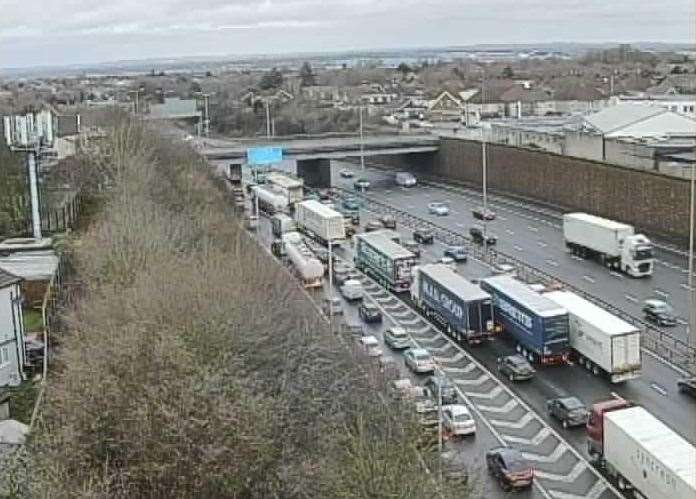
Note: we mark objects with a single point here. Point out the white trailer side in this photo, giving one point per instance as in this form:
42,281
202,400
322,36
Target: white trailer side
320,222
597,233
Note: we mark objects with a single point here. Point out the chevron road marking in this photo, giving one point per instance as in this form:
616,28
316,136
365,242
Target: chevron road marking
450,360
551,458
542,435
487,396
388,299
594,493
569,477
509,405
467,369
435,338
473,382
423,330
411,322
444,348
526,418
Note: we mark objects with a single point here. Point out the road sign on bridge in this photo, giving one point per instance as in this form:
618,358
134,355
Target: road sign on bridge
261,156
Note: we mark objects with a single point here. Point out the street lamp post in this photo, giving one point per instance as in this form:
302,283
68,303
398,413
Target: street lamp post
439,429
690,279
330,286
484,167
362,144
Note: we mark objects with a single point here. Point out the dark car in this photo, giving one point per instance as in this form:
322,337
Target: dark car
659,312
324,194
570,411
388,221
362,184
369,312
351,204
456,253
413,247
687,385
481,214
423,236
397,338
516,368
510,467
446,389
372,225
476,233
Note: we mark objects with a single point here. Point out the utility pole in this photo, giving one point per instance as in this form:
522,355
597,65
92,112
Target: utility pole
32,167
268,118
136,99
439,430
331,294
690,280
484,168
362,143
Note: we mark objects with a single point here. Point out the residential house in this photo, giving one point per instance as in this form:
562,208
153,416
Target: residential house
522,100
678,103
11,330
255,97
445,107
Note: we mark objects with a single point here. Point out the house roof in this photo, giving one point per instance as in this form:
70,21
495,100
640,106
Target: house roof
6,278
519,93
445,96
31,265
683,83
616,117
565,89
492,91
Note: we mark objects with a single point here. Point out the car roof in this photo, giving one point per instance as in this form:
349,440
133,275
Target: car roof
419,351
518,359
507,452
369,340
457,409
398,329
654,302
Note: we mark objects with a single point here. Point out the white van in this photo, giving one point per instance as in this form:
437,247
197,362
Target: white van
352,290
405,179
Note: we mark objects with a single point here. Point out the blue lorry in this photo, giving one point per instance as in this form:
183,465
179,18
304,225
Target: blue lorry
462,309
537,324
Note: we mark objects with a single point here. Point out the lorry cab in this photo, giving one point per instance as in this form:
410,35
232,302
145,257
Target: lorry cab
595,425
638,260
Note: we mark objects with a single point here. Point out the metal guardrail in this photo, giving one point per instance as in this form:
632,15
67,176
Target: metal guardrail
654,340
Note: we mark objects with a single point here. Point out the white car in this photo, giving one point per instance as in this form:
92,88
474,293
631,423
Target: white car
405,179
371,346
346,173
438,208
449,261
457,420
419,360
352,290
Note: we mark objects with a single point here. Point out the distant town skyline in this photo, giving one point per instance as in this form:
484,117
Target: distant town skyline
58,32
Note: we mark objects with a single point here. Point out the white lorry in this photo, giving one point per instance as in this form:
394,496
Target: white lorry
641,452
309,269
268,200
600,341
292,188
282,223
320,222
612,243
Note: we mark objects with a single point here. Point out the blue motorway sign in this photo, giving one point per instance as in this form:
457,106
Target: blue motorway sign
257,156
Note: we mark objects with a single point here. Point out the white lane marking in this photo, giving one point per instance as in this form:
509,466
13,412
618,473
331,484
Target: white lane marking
553,263
541,435
507,407
467,369
661,293
487,396
410,207
569,477
473,382
588,279
441,349
514,425
542,244
460,225
594,493
551,458
449,360
613,273
518,248
658,389
681,322
685,286
500,217
533,229
631,298
509,232
576,257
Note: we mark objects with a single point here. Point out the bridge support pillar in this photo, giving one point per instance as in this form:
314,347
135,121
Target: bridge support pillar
315,172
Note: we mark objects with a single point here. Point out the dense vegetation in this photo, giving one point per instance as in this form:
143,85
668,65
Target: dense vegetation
193,366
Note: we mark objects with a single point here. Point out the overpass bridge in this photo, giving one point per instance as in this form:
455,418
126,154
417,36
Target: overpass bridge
314,154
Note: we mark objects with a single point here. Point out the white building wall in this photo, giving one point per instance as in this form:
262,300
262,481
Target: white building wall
11,337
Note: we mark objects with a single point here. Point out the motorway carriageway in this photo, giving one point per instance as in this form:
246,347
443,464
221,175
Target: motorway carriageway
535,237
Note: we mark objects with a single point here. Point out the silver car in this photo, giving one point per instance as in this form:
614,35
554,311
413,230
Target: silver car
438,208
419,360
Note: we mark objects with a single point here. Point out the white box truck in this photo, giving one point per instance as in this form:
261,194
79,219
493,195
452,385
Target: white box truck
641,452
600,341
613,244
282,223
320,222
292,188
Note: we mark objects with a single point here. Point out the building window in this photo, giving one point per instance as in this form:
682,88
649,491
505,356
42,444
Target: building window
4,356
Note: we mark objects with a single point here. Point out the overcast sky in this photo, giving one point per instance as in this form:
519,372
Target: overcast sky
38,32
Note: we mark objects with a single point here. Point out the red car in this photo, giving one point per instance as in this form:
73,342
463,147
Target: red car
510,467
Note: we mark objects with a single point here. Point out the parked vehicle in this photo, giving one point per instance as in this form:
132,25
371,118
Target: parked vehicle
419,360
423,236
462,309
397,338
511,469
233,174
440,384
369,312
362,184
282,223
345,173
448,262
333,306
516,368
405,179
352,290
340,272
457,420
570,411
457,253
371,346
687,385
481,214
640,451
438,208
504,269
269,200
308,267
320,222
613,244
600,341
350,203
388,221
413,247
373,225
659,312
387,262
538,324
476,232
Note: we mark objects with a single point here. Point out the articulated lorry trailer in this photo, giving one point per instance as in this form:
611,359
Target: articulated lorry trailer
320,222
307,266
538,325
290,187
269,201
600,341
613,244
385,261
640,451
461,308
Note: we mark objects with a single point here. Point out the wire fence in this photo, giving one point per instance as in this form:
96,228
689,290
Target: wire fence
52,220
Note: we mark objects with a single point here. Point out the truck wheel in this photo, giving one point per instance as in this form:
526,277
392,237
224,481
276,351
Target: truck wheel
518,348
511,377
622,483
565,424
